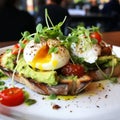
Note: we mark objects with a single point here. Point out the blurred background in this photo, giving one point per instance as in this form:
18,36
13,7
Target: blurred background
17,16
87,12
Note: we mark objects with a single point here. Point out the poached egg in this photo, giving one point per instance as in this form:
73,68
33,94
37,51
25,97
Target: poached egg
37,55
90,55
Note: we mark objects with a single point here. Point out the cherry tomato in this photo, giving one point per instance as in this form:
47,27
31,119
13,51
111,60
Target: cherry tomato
15,49
97,36
12,96
73,69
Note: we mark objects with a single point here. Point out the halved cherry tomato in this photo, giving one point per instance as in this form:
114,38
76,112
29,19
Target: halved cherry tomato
96,35
15,49
12,96
73,69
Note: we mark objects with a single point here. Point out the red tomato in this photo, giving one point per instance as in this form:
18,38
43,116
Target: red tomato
73,69
15,49
97,36
12,96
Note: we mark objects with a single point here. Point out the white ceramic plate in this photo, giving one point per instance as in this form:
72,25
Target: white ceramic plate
100,101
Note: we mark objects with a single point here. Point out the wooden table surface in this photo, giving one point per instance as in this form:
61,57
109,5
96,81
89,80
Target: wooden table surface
112,38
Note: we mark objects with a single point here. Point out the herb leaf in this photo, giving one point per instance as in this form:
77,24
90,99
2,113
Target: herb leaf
37,38
25,34
53,50
52,96
30,102
39,28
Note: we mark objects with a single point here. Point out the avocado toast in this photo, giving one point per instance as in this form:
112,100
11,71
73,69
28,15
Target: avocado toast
50,63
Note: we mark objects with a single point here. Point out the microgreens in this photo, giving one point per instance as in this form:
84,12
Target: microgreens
53,50
81,35
53,32
52,96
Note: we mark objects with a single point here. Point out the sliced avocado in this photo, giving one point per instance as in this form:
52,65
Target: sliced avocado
108,61
8,60
48,77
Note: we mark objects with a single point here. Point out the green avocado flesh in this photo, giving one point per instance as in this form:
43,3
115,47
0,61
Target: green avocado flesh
47,77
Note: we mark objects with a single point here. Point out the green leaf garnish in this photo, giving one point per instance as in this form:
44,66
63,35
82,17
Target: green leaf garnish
37,38
39,28
2,75
30,102
8,50
114,79
52,96
26,95
53,50
22,44
25,34
2,83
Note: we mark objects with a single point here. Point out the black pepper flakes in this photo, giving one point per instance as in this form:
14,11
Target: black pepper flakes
109,89
106,96
101,86
43,98
97,106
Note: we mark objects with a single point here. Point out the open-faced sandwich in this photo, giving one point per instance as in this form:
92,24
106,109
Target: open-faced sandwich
50,63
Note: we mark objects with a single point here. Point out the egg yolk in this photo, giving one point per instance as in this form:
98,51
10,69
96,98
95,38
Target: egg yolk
41,57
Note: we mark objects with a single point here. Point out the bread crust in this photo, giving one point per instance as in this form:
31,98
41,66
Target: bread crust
97,75
65,86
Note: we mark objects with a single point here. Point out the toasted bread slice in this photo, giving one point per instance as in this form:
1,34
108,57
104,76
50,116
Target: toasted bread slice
97,75
64,87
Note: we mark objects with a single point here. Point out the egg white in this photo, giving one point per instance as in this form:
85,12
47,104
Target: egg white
42,60
90,55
